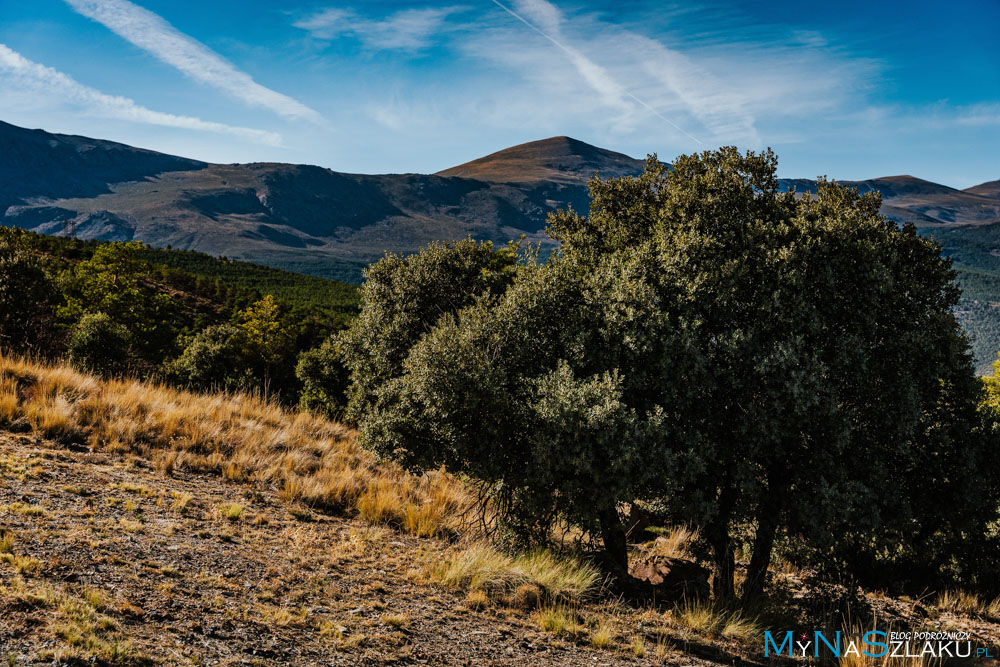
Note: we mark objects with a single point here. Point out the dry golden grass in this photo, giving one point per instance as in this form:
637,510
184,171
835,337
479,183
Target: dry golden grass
638,646
709,620
675,542
558,619
240,437
477,600
481,567
89,634
603,635
969,604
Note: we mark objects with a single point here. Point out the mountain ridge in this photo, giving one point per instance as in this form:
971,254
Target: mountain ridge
315,220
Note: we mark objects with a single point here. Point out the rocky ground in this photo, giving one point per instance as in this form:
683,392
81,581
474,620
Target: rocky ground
105,560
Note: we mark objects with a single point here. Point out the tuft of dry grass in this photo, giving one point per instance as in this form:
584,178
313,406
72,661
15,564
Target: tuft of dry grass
310,459
180,501
477,600
638,646
396,620
711,621
24,565
969,604
675,542
557,619
603,635
231,511
7,543
481,567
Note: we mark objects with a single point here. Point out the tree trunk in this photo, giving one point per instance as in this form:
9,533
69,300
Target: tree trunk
768,519
723,555
763,544
723,587
615,543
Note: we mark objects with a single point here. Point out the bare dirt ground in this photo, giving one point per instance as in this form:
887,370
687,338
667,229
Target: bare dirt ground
108,560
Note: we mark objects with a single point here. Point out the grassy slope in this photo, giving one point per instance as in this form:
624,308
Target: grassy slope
143,524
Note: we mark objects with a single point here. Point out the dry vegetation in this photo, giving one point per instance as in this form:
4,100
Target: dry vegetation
139,524
242,438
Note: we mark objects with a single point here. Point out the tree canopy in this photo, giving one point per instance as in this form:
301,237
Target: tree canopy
737,355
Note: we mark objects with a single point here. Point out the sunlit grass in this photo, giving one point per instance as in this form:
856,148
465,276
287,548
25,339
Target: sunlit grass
482,567
309,459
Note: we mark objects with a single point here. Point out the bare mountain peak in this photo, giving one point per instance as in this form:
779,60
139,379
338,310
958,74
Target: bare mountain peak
560,159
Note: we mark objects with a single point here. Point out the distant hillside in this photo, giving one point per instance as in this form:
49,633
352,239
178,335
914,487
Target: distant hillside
39,164
989,189
316,221
299,217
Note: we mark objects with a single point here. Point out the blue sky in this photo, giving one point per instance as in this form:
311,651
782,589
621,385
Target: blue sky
851,89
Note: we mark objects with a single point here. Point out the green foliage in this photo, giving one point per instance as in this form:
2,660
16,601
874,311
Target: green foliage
324,379
266,339
262,328
245,283
402,299
28,297
99,345
167,309
114,282
215,358
701,341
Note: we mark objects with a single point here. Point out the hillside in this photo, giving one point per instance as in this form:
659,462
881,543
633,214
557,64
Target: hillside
39,164
229,530
297,217
989,189
321,222
197,275
316,221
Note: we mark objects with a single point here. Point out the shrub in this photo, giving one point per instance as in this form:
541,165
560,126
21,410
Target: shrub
403,298
100,345
216,358
28,297
736,354
324,379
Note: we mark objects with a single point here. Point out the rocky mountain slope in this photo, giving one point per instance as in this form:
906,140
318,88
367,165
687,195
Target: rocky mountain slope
229,531
322,222
292,216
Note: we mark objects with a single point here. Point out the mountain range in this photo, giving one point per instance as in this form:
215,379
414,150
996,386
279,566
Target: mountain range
322,222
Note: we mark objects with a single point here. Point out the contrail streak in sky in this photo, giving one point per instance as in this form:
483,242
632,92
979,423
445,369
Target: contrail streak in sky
576,56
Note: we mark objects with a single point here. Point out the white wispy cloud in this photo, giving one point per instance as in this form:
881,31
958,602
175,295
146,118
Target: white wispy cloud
407,30
712,76
545,18
979,115
20,75
153,34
